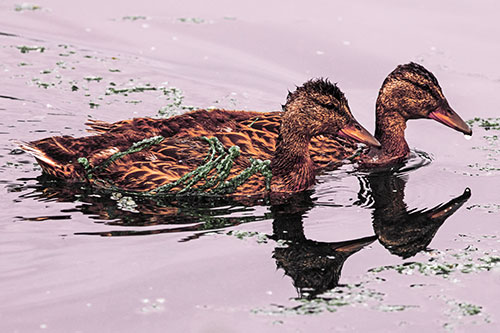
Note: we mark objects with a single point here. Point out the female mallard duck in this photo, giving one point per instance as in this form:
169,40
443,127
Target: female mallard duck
157,156
409,92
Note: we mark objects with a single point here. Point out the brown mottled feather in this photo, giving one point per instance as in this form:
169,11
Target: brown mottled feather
408,92
316,108
327,152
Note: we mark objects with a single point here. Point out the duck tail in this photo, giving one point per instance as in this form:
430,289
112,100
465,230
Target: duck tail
98,126
37,153
49,165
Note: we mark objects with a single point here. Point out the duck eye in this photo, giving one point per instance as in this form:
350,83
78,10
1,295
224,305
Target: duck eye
328,105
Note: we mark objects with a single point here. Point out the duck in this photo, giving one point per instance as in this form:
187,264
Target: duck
206,151
409,92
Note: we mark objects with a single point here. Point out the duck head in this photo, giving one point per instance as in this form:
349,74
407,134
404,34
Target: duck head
318,107
412,92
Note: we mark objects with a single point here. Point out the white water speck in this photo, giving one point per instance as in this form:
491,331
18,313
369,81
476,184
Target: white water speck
346,43
467,137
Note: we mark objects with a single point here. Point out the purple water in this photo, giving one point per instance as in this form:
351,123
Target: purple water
78,261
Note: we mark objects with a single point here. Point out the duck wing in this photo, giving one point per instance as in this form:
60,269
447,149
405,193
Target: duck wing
197,122
185,165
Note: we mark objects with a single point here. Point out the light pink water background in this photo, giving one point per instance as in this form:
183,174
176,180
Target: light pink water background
241,55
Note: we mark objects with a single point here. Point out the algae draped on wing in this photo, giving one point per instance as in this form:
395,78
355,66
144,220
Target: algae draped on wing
219,162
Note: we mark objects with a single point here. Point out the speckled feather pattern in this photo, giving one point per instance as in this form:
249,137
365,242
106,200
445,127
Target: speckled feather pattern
316,108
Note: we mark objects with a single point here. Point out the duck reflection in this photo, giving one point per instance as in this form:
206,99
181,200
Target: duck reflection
402,231
314,267
196,214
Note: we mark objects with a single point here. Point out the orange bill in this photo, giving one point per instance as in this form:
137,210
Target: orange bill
358,133
443,211
354,245
445,115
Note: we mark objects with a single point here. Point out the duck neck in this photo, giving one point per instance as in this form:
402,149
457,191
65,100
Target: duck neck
390,132
292,167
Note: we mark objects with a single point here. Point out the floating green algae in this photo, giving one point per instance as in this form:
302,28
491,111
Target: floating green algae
26,6
446,264
129,90
460,313
350,295
490,145
125,203
486,123
134,18
259,237
93,78
195,20
395,308
27,49
469,309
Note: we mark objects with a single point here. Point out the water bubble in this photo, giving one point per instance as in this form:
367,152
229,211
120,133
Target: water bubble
467,137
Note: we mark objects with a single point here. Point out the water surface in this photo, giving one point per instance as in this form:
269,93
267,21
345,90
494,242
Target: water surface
405,250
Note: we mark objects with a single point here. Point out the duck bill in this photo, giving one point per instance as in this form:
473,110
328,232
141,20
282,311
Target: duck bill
358,133
445,115
353,246
444,211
